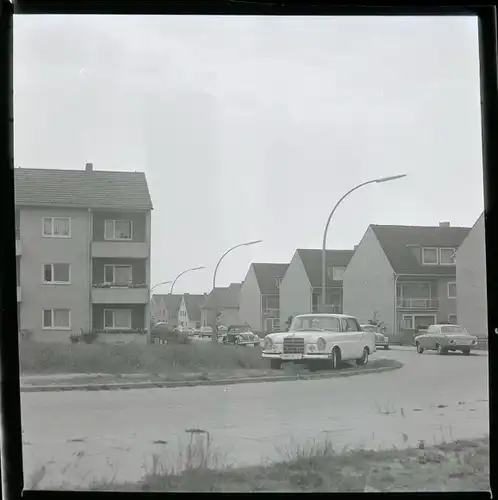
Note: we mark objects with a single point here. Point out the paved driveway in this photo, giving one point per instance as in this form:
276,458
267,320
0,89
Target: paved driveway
80,436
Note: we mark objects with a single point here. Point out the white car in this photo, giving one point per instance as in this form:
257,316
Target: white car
317,339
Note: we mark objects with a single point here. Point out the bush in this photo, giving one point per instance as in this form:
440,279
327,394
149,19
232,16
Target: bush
46,358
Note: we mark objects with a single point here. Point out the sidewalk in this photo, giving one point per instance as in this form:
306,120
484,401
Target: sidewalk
103,381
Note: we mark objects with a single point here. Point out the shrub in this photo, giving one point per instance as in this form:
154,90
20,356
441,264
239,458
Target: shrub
135,358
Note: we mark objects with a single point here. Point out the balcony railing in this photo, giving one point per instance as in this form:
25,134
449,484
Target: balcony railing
271,313
403,303
120,249
120,293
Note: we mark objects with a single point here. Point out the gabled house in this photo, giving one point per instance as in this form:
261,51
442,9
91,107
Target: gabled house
83,253
226,301
189,313
405,275
260,297
165,307
300,289
472,312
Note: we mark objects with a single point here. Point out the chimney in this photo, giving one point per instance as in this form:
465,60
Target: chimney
444,224
89,167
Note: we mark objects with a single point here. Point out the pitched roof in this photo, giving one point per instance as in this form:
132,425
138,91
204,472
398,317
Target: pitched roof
82,189
223,296
312,262
267,275
171,302
398,243
193,304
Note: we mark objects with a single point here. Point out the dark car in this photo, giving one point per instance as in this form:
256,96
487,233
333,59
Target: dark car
241,335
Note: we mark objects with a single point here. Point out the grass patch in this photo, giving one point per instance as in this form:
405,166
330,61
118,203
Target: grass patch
56,358
456,466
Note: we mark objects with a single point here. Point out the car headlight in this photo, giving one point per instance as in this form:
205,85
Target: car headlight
320,344
268,344
452,341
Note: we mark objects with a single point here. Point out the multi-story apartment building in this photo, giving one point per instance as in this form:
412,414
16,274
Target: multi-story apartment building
83,253
404,275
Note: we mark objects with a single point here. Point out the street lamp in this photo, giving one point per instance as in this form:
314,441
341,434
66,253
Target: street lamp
324,243
215,322
181,274
159,284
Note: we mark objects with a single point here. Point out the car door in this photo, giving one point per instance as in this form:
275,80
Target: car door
353,336
430,337
360,337
347,348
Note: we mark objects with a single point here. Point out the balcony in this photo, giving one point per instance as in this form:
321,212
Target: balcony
19,294
425,304
271,313
18,243
120,249
108,293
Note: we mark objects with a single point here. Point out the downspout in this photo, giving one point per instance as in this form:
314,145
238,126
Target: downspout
90,267
395,302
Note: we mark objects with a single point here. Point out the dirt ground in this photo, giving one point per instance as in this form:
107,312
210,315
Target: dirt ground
457,466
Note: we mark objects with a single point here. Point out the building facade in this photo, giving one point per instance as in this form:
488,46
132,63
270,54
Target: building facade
83,253
472,311
225,301
301,286
260,297
405,276
189,312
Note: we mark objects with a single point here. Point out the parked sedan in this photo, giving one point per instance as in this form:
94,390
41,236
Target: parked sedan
380,339
318,339
445,338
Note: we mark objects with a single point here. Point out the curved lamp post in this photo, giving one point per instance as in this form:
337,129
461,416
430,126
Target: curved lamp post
324,243
181,274
159,284
215,325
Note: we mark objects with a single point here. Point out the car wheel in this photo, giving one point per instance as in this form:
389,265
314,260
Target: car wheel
364,359
275,364
466,351
335,359
440,349
420,349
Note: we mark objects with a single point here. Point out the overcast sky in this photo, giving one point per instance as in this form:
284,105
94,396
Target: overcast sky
252,128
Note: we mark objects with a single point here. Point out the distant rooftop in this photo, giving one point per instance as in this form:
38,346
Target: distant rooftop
86,188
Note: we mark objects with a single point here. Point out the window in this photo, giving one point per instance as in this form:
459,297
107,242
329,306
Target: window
56,273
56,227
118,230
452,290
452,318
117,274
56,319
338,272
117,319
447,256
353,325
430,256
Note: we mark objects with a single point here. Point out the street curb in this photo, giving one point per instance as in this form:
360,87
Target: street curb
195,383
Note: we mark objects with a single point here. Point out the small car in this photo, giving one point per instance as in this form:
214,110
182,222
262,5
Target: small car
206,331
318,339
445,338
241,335
381,340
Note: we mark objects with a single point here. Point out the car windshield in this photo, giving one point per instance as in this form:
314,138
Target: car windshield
369,328
453,329
315,323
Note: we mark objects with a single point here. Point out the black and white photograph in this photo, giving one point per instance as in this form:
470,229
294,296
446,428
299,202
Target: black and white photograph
250,253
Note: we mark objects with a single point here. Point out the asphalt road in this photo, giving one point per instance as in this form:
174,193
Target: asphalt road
74,438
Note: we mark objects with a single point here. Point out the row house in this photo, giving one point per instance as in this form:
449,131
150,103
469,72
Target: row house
472,309
404,275
189,312
225,301
301,286
260,297
83,253
164,308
